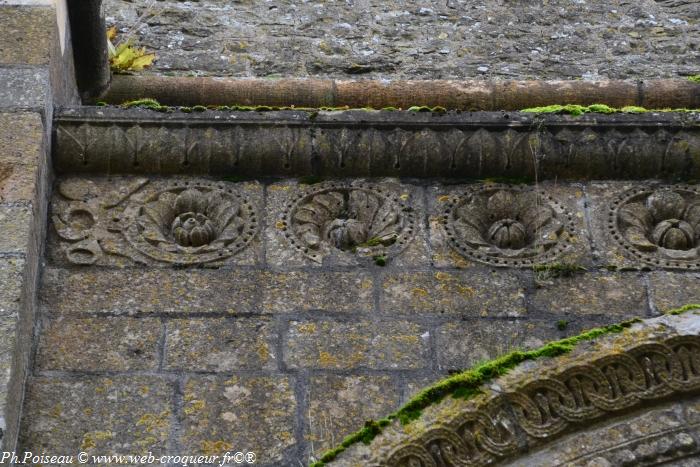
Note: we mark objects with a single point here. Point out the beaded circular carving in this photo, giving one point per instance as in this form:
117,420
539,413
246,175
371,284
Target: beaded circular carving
505,225
190,223
659,226
359,219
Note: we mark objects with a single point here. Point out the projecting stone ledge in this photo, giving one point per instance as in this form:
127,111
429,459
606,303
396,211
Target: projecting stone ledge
378,143
629,398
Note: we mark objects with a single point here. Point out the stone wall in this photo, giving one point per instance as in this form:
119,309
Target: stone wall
557,39
270,340
35,64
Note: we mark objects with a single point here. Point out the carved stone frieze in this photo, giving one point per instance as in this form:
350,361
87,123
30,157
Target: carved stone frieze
505,225
659,226
547,407
179,222
359,219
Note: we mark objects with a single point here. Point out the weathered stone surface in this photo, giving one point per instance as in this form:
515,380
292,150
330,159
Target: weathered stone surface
220,344
289,292
240,413
27,34
156,222
616,295
474,293
131,291
360,344
11,273
17,182
670,290
8,331
15,221
338,405
463,229
23,87
99,344
98,415
463,344
436,39
20,137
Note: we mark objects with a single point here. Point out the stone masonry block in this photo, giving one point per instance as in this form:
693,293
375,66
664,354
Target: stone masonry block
473,293
220,344
671,290
329,291
463,344
99,344
241,413
97,415
27,34
11,273
617,295
360,344
15,222
339,405
130,291
23,87
21,136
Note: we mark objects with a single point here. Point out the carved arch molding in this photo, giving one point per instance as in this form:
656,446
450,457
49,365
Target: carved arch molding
504,427
196,221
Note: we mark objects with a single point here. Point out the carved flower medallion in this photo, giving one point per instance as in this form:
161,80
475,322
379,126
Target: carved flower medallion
505,225
192,223
660,226
358,219
179,222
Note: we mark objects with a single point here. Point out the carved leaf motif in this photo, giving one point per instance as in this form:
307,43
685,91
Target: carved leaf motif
474,213
470,234
665,204
500,205
692,216
162,210
386,222
637,215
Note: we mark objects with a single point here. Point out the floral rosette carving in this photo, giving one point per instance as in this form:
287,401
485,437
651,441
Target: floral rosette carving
180,222
358,219
660,226
189,224
505,225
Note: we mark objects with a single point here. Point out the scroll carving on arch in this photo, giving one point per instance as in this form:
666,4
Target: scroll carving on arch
506,225
358,219
659,226
545,408
180,222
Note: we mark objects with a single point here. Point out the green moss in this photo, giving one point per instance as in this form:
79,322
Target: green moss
549,271
562,324
467,384
374,241
426,108
633,109
147,103
389,109
101,104
694,78
380,260
576,110
683,309
199,108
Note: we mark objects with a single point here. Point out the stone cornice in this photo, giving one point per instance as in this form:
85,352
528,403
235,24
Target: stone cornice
378,143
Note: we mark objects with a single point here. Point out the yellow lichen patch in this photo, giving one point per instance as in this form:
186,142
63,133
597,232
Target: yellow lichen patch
232,381
215,448
152,422
418,292
280,224
366,284
195,406
263,350
443,276
466,291
326,359
90,438
278,187
404,196
144,390
406,339
56,411
443,198
308,328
